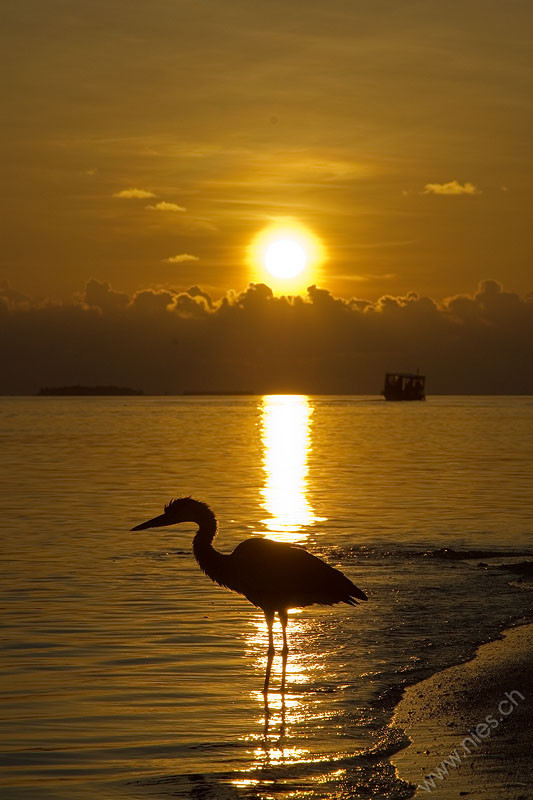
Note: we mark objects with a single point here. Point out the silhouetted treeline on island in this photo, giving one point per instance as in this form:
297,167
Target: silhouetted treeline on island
88,390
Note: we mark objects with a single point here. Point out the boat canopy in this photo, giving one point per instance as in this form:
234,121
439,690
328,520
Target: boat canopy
404,386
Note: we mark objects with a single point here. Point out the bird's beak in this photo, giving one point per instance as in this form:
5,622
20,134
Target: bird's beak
156,522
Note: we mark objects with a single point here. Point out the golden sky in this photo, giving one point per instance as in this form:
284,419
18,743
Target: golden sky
146,143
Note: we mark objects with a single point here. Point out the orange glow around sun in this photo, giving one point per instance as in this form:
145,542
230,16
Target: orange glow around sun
286,255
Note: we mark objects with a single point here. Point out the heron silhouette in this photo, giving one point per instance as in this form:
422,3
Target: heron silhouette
274,576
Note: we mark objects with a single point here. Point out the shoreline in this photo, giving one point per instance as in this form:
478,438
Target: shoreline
470,726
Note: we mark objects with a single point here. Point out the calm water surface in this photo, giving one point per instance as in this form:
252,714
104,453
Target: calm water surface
128,674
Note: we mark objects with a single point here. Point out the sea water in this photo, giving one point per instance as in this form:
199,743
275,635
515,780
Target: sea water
127,674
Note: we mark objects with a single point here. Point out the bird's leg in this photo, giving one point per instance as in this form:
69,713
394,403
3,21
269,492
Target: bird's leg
283,618
269,617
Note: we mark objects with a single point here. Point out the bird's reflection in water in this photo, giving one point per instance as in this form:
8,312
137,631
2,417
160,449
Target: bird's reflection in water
276,745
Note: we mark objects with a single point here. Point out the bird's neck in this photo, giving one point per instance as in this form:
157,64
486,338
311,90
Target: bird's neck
207,557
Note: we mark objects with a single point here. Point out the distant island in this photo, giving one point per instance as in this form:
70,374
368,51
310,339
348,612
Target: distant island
69,391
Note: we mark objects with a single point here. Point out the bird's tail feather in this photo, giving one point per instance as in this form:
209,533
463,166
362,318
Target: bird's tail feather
355,591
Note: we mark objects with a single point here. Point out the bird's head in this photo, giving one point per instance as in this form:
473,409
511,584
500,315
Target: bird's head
183,509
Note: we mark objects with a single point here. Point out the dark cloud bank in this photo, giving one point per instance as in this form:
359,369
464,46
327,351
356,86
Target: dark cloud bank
164,341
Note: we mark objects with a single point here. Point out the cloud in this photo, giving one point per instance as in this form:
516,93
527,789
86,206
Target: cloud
102,296
195,292
152,302
134,194
164,206
171,341
181,258
12,297
451,188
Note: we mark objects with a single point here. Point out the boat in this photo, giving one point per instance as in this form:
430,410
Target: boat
404,386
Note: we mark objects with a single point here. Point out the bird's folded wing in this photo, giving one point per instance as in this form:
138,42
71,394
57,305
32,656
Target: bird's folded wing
269,571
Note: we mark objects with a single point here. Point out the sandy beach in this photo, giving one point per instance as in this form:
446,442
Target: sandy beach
471,725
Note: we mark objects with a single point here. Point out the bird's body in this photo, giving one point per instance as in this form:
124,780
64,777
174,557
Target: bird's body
274,576
277,576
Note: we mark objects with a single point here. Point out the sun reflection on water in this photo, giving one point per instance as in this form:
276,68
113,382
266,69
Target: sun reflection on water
286,439
286,709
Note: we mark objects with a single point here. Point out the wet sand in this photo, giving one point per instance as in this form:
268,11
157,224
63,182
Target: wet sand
471,726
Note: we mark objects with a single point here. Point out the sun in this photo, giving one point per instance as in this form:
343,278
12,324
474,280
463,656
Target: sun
287,252
285,258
